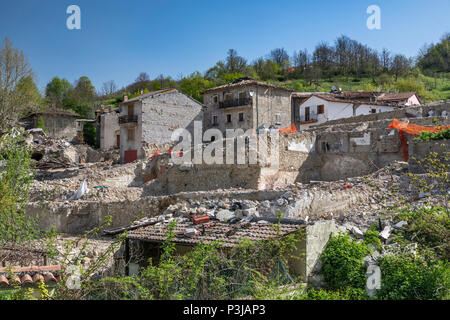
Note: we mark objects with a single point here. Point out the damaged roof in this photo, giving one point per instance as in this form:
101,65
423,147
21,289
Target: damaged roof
29,275
54,111
229,234
396,97
156,93
244,83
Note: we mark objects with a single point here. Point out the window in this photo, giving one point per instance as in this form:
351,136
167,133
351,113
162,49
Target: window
229,118
215,99
242,98
130,134
214,120
320,109
373,111
306,114
277,119
228,96
241,117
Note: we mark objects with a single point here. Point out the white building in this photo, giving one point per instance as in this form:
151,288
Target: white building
314,108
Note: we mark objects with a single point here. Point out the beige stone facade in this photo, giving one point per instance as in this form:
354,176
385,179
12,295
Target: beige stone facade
247,104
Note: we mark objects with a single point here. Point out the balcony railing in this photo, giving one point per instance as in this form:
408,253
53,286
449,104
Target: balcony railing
235,102
313,117
128,119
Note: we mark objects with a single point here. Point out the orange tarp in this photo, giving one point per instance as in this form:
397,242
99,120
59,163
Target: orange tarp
290,129
414,128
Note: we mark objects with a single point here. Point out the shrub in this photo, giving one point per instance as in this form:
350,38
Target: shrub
373,237
342,262
343,294
407,277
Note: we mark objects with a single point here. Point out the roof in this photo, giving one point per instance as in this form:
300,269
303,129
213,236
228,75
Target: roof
55,111
396,96
29,275
335,98
244,83
156,93
230,234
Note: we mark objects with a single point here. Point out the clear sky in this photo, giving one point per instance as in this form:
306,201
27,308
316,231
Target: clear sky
119,39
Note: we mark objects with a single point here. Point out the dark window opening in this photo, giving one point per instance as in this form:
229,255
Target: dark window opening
241,117
228,118
320,109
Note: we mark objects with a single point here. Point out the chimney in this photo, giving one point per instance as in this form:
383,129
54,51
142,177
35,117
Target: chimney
125,98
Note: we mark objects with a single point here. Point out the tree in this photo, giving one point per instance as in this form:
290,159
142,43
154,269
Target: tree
194,85
56,91
385,59
400,65
435,58
235,63
301,59
109,87
143,76
16,177
280,57
15,92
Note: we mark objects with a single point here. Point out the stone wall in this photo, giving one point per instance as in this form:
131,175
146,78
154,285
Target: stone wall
163,113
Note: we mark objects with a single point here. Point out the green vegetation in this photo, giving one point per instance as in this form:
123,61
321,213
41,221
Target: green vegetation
41,124
428,136
16,177
342,263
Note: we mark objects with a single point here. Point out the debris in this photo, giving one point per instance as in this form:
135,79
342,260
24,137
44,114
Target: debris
80,192
224,215
386,232
400,224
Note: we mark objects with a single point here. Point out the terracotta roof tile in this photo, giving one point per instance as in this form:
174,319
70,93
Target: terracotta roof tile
245,83
229,234
29,275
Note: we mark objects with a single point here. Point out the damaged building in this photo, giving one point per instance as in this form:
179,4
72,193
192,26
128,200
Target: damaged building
59,123
152,118
247,104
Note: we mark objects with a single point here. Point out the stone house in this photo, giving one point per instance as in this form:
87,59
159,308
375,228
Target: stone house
247,104
58,123
152,118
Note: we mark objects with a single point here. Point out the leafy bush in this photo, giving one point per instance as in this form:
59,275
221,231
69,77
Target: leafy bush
342,262
373,237
407,277
429,227
16,177
343,294
428,136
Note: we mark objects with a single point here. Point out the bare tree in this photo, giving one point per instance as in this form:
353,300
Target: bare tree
385,59
280,57
235,63
14,68
301,59
143,76
109,87
400,65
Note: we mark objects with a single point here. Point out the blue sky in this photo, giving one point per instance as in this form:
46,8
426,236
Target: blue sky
119,39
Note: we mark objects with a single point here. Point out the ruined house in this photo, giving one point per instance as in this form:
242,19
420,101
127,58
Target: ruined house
145,242
152,118
247,104
108,129
58,123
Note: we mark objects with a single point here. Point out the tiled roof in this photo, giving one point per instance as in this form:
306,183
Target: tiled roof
29,275
245,83
156,93
55,111
336,98
396,96
230,234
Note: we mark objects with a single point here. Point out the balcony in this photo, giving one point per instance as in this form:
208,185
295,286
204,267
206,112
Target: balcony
129,120
307,119
235,103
